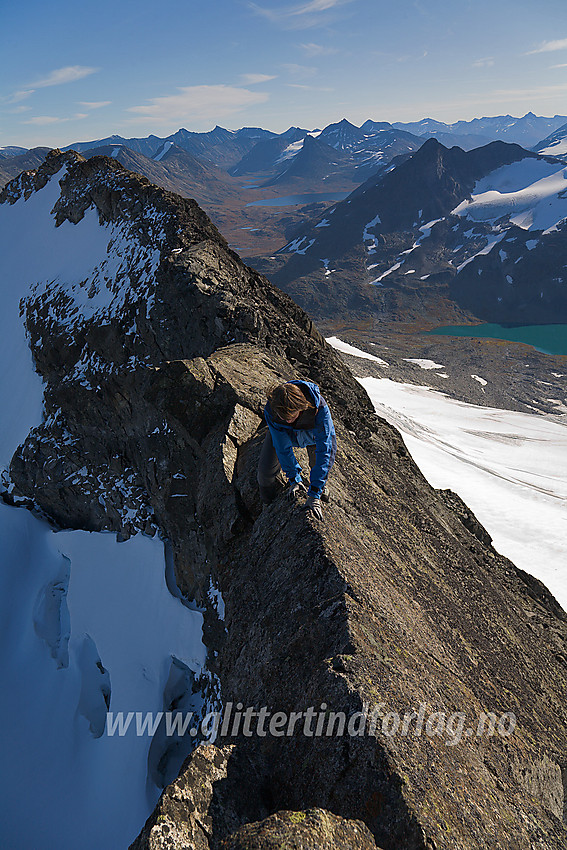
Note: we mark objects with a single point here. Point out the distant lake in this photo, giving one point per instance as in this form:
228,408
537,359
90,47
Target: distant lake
549,339
310,198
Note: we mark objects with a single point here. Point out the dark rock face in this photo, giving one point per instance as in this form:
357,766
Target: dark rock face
266,153
315,161
397,599
209,806
206,803
11,166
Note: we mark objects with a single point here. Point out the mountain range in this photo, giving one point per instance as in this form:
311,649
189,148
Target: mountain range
481,231
419,228
254,151
526,131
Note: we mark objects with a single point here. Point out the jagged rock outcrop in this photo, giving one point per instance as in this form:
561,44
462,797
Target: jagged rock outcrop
156,366
205,808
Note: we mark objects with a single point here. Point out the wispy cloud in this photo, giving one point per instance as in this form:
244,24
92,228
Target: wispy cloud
97,104
17,96
299,71
400,57
253,79
299,16
313,49
549,46
486,62
197,103
529,93
56,78
551,67
64,75
308,88
42,120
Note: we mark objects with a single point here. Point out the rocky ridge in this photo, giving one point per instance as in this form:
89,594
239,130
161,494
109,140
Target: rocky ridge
155,371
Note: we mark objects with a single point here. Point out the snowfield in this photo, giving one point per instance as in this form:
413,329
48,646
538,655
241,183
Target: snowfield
508,467
72,600
85,622
530,191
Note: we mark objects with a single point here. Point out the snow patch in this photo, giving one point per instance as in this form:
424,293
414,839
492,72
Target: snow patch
368,237
491,242
530,192
424,364
354,352
167,146
480,380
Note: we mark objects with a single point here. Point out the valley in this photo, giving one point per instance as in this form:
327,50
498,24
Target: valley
380,262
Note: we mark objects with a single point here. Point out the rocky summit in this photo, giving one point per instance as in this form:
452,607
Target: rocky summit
449,663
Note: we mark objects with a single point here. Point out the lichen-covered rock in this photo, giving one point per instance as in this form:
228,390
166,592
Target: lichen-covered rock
208,800
314,829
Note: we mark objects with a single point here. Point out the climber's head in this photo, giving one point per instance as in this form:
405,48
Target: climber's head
287,402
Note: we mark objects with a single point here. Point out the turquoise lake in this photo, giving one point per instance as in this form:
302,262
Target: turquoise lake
549,339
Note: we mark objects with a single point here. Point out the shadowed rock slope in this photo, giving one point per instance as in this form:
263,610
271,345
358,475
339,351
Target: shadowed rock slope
397,599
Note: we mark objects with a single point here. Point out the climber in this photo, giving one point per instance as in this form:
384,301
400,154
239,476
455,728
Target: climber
297,415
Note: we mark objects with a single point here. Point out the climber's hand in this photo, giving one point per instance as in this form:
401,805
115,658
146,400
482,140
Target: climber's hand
313,504
296,489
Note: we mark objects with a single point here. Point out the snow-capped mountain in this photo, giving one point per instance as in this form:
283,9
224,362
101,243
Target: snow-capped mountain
81,251
555,144
525,131
357,153
342,136
314,160
484,228
268,153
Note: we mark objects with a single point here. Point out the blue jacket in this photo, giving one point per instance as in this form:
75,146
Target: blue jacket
322,436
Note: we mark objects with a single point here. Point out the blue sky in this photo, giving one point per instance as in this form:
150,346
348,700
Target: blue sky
72,72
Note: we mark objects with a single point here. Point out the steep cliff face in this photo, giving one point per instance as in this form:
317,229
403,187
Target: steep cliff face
156,355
